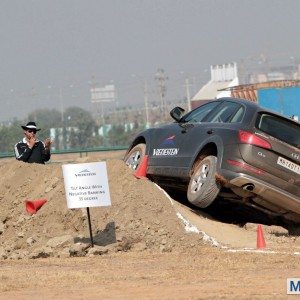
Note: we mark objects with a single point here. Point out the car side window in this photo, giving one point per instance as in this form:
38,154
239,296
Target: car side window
228,112
238,116
198,114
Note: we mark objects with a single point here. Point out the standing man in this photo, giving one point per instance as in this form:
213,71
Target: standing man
30,149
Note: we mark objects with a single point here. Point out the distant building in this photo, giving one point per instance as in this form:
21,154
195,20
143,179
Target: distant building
250,91
282,96
222,77
274,73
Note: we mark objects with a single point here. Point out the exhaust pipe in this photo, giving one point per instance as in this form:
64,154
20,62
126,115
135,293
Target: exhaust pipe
249,187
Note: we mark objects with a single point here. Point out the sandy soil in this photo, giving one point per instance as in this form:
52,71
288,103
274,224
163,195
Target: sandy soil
148,245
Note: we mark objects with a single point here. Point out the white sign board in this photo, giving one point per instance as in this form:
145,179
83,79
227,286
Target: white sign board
86,185
104,94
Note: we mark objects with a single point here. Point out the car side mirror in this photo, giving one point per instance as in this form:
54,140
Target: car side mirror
176,113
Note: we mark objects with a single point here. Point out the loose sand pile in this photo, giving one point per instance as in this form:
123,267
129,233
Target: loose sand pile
141,217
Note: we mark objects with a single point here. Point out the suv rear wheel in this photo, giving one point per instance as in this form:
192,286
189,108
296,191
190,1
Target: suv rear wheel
203,188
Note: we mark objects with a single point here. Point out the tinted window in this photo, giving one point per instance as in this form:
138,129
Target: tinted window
199,113
287,131
226,112
238,116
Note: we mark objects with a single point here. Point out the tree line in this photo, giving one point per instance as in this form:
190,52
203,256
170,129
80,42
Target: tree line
78,130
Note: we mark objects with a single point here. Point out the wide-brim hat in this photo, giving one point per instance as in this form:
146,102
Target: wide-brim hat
30,125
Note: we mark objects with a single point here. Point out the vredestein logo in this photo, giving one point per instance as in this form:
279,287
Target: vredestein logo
168,147
169,141
166,151
85,172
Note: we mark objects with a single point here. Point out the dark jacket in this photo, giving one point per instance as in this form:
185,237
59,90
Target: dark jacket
38,154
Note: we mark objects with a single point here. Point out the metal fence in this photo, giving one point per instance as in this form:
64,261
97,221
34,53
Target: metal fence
81,152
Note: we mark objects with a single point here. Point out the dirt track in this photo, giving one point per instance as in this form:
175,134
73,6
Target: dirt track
166,259
207,274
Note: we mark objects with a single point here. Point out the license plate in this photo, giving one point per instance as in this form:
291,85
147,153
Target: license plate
288,165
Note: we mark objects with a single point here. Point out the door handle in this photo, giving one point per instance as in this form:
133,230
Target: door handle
210,131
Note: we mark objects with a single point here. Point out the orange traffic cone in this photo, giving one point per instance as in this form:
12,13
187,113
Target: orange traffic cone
141,171
260,242
33,206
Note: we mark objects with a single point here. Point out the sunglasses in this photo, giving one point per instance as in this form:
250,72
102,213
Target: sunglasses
30,131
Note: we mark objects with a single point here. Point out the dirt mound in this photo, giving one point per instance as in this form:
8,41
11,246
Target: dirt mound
141,217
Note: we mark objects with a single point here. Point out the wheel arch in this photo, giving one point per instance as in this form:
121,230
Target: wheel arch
138,140
211,147
208,149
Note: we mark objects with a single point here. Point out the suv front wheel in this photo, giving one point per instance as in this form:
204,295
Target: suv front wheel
134,157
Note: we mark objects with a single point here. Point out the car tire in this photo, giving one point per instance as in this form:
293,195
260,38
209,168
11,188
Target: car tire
203,187
134,157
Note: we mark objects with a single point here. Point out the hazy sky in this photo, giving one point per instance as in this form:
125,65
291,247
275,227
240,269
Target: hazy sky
48,46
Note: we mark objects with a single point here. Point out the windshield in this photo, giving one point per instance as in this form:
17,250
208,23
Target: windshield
284,130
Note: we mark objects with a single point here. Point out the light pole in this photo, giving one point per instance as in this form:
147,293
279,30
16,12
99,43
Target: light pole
146,103
162,78
188,97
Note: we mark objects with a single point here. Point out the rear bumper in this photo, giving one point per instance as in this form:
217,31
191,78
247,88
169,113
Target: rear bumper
268,192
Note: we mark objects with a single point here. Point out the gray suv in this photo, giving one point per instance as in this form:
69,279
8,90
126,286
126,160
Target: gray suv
230,148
